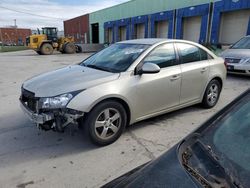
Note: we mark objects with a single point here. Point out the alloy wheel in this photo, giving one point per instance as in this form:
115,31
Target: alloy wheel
107,123
213,94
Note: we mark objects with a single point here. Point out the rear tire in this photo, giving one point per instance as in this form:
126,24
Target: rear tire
212,94
105,123
69,48
46,49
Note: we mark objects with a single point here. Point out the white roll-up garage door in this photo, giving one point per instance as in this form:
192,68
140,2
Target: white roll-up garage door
122,33
140,31
192,28
233,26
162,29
110,35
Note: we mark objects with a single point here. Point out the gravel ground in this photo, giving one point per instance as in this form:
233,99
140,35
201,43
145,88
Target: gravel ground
33,158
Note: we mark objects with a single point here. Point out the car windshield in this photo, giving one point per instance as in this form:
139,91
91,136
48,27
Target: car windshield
243,43
230,140
116,58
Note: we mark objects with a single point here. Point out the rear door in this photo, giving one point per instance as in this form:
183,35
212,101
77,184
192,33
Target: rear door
194,71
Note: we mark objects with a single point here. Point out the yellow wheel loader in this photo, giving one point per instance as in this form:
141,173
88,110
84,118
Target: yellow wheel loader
47,41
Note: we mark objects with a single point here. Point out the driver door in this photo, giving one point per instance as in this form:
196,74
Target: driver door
160,91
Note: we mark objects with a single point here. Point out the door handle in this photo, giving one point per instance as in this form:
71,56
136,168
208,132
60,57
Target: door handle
175,77
203,70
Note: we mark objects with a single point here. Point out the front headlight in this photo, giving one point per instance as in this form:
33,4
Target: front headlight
55,102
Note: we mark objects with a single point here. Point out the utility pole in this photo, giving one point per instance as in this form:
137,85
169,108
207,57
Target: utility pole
1,36
16,38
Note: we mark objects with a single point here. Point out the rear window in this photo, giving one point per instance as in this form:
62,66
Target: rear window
189,53
204,55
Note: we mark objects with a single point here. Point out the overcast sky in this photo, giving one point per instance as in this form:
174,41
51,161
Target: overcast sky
51,12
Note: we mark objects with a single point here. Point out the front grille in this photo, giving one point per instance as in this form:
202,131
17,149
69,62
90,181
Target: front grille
231,60
29,99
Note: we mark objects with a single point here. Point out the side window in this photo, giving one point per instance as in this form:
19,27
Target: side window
188,53
204,55
163,56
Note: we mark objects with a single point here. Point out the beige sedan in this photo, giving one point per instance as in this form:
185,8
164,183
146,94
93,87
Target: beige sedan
125,83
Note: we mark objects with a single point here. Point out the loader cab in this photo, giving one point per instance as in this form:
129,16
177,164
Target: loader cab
51,33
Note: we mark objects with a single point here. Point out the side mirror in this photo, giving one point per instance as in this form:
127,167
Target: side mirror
149,68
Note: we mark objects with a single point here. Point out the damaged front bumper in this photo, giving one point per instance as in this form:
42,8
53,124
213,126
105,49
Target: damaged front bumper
56,119
35,117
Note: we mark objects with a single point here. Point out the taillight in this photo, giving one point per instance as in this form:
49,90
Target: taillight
225,63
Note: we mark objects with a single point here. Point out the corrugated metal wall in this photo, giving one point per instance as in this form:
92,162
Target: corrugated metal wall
142,18
78,28
135,8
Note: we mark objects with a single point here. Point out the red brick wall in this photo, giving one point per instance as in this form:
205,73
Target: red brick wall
14,35
77,27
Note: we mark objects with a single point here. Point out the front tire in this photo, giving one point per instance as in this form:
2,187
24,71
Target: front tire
46,49
212,94
105,123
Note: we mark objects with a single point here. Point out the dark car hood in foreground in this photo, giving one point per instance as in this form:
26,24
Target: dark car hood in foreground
68,79
165,171
236,53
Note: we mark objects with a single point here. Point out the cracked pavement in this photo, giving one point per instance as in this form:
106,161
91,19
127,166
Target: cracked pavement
33,158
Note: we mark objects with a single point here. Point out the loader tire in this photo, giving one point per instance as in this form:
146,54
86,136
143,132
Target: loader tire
46,49
70,48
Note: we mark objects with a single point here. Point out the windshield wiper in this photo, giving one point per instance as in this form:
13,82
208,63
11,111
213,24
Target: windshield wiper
234,180
229,177
97,67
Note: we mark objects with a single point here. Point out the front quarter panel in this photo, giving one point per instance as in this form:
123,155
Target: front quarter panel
121,88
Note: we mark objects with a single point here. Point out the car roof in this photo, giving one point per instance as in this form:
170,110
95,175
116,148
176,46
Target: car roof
149,41
153,41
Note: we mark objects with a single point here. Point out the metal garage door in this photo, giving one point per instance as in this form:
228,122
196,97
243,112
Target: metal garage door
140,31
110,35
122,33
233,26
162,29
192,28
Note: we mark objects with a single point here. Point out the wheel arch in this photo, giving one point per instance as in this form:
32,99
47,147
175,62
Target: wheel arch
45,42
119,100
216,77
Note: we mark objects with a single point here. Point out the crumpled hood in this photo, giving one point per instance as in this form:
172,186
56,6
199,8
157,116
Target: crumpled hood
236,53
68,79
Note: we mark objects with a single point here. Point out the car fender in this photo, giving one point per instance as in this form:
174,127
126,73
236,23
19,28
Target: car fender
89,98
216,70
